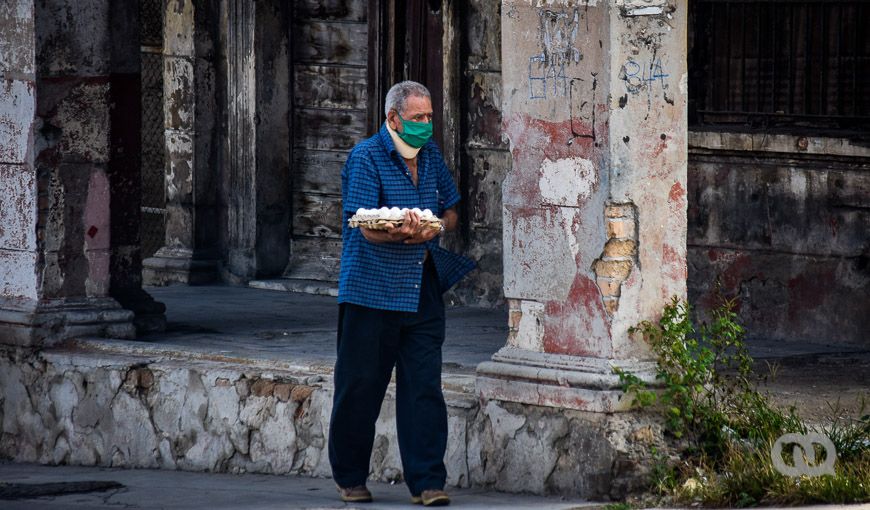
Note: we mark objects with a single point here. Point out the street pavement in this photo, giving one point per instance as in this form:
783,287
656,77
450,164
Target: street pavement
155,489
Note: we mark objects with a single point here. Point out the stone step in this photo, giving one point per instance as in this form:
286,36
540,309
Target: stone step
317,287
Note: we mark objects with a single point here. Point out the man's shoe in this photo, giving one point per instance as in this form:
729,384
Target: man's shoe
431,498
358,494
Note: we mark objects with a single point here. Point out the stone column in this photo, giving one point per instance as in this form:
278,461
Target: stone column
257,143
190,112
56,151
594,205
125,170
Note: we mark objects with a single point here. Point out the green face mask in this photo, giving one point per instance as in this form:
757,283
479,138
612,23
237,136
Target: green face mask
415,134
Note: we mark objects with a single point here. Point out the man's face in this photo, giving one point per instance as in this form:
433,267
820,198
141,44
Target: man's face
417,109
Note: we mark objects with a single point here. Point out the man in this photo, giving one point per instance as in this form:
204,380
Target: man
391,312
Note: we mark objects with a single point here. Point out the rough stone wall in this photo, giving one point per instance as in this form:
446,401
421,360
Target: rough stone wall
69,407
484,158
782,222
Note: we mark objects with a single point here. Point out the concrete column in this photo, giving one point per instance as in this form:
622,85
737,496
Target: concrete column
594,205
257,143
190,112
56,154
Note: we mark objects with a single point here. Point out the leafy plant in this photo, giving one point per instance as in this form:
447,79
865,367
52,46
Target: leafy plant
725,427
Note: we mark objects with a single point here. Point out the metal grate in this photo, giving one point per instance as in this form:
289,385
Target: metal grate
780,63
151,19
153,143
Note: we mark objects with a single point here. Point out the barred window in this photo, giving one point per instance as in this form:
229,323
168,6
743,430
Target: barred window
779,65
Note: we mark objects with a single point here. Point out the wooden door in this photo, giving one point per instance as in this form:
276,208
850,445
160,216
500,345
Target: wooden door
330,100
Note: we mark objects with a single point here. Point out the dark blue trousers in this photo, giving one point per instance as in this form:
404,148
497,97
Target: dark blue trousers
370,343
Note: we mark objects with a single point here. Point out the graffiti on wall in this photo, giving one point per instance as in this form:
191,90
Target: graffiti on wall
558,39
643,76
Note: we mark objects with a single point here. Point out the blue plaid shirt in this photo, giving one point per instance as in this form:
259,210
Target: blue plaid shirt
388,275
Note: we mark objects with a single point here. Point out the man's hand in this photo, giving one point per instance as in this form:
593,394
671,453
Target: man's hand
412,231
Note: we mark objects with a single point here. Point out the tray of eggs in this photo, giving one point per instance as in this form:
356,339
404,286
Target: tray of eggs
383,218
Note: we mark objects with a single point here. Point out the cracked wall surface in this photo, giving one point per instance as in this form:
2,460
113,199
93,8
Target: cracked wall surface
64,406
784,230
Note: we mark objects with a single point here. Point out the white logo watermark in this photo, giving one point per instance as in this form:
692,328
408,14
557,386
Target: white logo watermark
804,455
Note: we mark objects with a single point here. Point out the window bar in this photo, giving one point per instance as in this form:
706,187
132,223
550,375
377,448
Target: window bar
727,82
743,84
840,26
823,72
855,21
758,64
774,60
710,37
791,61
808,60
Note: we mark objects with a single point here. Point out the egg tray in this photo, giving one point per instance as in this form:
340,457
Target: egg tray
382,224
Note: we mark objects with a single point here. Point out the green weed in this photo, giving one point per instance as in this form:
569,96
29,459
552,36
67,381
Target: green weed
723,427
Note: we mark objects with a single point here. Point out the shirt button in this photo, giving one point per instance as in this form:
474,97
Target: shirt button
420,262
416,286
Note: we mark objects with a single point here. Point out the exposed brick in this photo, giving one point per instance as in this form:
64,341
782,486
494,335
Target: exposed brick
619,211
609,287
611,305
612,268
222,382
620,228
620,248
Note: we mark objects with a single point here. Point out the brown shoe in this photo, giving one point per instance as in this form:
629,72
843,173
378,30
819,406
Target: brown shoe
358,494
431,498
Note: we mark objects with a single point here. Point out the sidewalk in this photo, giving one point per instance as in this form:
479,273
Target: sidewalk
155,489
149,489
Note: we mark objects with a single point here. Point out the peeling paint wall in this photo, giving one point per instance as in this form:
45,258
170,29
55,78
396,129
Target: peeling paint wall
484,158
18,181
784,229
594,203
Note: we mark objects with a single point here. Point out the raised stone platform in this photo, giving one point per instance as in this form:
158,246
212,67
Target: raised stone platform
132,404
242,381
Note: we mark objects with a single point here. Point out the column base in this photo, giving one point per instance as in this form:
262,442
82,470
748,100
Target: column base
558,380
30,323
172,265
150,315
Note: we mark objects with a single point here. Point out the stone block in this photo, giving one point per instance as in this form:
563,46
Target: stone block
620,228
17,114
622,248
17,37
619,211
619,269
180,169
75,116
179,28
484,111
179,91
609,286
18,207
18,270
73,38
483,27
